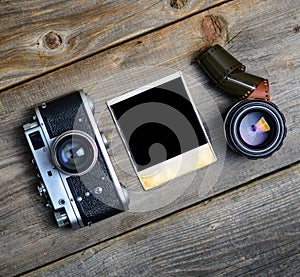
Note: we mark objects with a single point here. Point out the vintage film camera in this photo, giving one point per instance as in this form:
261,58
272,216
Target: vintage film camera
75,172
254,126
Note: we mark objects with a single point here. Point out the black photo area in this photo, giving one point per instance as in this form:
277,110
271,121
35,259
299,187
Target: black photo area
173,94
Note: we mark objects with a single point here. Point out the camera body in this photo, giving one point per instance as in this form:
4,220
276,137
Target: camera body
74,169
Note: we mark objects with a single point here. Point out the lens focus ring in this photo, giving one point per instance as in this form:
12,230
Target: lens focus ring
255,128
74,152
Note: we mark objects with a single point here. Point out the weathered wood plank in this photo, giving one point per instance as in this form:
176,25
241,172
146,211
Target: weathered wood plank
254,231
29,236
36,37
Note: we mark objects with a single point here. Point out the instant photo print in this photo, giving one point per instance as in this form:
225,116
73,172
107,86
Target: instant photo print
161,130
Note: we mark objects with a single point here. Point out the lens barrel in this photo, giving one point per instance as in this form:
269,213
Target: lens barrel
255,128
74,152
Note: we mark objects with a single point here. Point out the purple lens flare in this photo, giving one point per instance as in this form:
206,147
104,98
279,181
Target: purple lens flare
256,128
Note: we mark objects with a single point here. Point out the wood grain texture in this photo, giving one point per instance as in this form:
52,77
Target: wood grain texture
253,231
261,36
82,28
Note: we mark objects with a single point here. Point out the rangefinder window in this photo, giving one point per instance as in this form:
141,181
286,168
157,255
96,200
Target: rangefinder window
36,140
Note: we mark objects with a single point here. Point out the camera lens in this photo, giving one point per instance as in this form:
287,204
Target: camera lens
255,128
74,152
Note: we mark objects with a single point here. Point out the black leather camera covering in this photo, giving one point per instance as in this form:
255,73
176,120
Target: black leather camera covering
62,115
68,113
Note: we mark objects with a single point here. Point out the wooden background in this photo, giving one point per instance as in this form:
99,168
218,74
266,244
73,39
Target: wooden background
247,223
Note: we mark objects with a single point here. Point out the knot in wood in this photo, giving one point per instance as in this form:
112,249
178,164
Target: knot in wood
214,28
52,40
296,29
178,4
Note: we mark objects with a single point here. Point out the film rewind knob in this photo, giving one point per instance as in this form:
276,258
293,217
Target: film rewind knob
61,218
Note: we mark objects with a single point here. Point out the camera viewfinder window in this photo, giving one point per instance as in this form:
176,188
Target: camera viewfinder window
36,140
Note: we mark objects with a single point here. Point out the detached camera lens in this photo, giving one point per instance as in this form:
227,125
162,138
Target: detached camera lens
255,128
74,152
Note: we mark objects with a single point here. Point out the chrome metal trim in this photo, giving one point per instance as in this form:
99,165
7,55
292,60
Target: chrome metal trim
63,177
52,183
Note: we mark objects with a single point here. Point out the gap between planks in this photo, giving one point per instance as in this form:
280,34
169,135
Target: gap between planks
149,234
111,45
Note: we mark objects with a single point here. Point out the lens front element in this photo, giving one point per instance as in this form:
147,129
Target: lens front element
74,152
255,128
